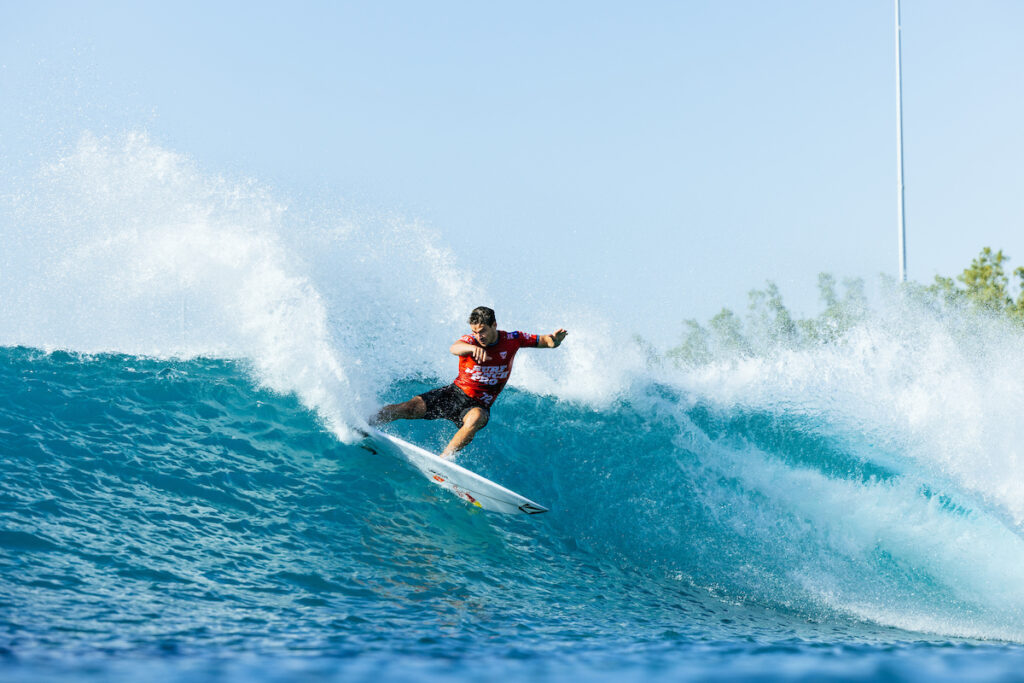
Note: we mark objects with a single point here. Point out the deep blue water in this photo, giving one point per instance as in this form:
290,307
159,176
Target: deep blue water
170,520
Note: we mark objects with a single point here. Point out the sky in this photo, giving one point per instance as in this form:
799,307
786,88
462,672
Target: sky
651,162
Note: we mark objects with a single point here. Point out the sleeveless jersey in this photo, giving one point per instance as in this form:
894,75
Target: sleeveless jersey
484,381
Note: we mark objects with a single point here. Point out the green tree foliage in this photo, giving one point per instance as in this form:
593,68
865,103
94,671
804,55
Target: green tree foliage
840,314
695,348
769,326
768,318
986,286
727,329
986,282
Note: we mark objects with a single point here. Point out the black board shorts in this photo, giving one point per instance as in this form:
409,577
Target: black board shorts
449,403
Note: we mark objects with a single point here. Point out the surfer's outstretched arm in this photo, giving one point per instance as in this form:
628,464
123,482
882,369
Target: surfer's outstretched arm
551,341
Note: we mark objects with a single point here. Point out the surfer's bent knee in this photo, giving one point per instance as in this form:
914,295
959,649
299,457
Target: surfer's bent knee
412,409
415,407
476,418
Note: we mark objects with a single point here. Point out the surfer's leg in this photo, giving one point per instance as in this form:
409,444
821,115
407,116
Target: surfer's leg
413,409
472,423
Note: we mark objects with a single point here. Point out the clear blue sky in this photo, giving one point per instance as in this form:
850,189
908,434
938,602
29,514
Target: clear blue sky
650,161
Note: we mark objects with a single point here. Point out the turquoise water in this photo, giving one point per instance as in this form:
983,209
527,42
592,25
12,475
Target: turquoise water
171,520
185,363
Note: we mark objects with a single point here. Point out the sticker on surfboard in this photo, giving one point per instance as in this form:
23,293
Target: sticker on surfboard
476,490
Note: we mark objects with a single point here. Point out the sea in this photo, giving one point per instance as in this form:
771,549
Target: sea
186,362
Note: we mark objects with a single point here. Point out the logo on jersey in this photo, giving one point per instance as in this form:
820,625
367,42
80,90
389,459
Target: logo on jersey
503,354
488,374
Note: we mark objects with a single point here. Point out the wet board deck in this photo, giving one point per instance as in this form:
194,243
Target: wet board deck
466,484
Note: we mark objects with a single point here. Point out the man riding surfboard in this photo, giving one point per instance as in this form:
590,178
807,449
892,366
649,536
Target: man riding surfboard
485,363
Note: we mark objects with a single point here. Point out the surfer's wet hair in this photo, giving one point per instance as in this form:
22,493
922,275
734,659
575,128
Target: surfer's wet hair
482,315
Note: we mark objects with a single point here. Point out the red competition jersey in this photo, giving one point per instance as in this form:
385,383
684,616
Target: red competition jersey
484,381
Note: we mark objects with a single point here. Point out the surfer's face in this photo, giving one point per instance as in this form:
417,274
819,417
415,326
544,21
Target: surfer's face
485,334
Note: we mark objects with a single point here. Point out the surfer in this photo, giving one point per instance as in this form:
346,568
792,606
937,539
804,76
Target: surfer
485,362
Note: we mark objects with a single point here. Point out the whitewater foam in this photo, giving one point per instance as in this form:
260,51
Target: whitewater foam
123,246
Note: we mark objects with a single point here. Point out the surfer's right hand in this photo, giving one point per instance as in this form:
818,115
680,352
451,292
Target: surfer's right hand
479,354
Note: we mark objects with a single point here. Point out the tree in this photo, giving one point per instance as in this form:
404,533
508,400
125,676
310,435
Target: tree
986,286
987,283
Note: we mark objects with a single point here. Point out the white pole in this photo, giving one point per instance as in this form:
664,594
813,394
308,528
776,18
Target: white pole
901,205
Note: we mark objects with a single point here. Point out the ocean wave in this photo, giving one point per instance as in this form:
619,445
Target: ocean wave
186,364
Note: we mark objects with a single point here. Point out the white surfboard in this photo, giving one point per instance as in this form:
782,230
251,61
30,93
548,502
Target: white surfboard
467,485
